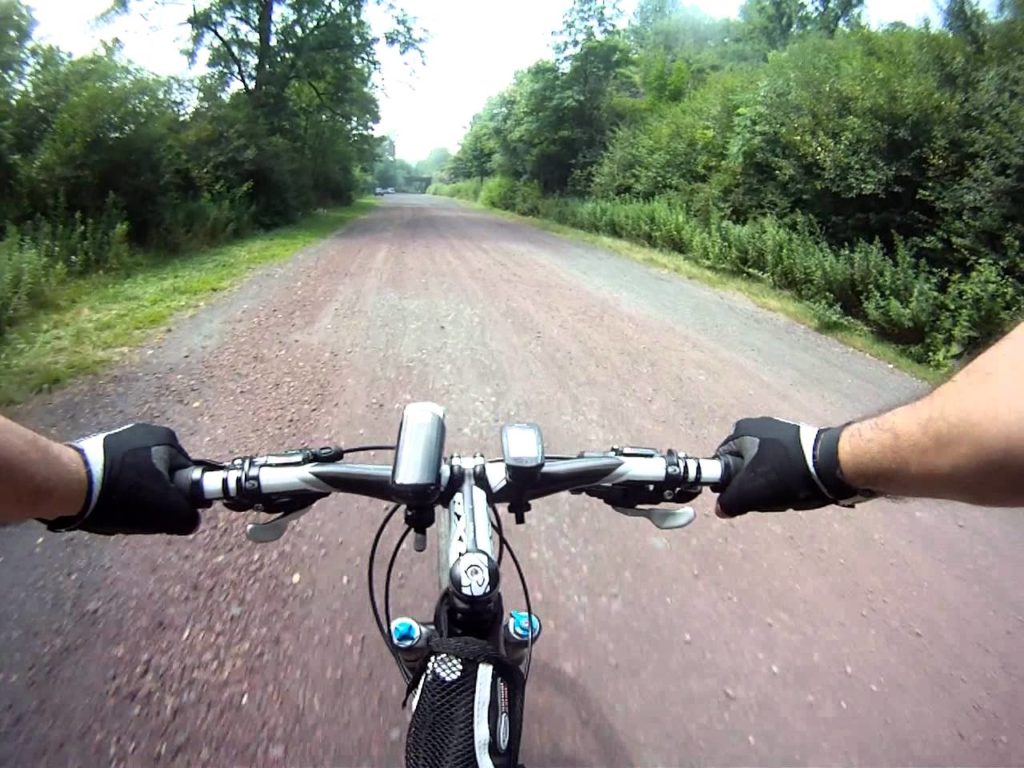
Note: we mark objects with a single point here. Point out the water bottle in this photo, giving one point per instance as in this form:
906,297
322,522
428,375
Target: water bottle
521,629
411,639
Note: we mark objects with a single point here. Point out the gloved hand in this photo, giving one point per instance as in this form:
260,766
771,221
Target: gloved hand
776,465
130,486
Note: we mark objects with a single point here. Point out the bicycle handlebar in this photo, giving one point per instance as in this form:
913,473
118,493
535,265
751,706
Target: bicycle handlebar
627,479
269,481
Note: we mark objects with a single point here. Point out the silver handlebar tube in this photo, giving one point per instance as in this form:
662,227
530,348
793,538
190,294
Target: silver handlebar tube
469,509
370,480
654,469
373,480
605,470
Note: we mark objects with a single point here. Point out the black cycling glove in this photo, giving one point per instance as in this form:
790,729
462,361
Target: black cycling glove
130,484
775,465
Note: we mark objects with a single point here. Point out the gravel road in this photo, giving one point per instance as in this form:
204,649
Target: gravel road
893,634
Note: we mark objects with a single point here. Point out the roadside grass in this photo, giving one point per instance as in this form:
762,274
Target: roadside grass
844,330
91,322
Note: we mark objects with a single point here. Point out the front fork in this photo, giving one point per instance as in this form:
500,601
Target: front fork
471,606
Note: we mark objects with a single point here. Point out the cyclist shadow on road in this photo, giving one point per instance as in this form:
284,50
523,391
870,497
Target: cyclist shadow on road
564,724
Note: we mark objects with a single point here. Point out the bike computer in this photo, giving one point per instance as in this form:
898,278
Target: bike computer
522,447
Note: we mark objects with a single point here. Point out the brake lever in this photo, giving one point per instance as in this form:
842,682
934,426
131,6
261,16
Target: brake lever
272,530
628,500
291,508
665,519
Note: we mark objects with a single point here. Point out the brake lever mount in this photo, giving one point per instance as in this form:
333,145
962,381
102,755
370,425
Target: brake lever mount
287,508
633,499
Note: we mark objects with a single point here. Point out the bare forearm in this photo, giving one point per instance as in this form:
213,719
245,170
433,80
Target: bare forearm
41,478
964,441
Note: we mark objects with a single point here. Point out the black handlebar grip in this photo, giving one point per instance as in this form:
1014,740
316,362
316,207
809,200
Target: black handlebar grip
183,480
731,466
190,483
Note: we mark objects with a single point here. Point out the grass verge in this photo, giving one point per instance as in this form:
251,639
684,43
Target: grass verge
762,294
91,322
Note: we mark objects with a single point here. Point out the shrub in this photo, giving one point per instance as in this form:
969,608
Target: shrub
24,272
976,309
934,319
36,257
523,197
499,192
463,190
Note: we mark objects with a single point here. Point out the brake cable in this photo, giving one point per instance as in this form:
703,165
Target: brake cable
526,593
373,596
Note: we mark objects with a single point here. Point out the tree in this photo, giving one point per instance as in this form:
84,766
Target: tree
829,15
268,45
16,24
877,174
966,20
403,174
1011,9
678,48
677,150
270,48
298,74
593,84
85,129
94,151
385,170
475,157
982,196
664,26
534,128
849,131
434,163
584,22
773,22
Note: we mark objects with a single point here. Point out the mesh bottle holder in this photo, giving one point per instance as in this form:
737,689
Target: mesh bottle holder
467,707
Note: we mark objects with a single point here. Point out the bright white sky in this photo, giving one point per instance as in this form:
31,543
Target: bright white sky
475,48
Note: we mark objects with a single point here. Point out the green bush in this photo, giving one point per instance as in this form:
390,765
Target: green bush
24,274
499,192
463,190
81,245
935,319
977,307
676,150
206,221
38,256
522,197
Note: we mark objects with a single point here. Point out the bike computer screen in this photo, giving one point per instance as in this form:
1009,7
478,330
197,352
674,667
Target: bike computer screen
522,446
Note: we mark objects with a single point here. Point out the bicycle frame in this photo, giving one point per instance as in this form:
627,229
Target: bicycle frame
470,603
474,583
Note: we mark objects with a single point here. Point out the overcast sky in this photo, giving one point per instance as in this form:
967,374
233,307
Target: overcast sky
474,49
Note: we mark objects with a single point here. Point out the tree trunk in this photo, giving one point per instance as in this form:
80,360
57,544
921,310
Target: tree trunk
266,25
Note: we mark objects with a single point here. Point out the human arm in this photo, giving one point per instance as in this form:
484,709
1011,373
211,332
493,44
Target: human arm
108,483
42,478
964,441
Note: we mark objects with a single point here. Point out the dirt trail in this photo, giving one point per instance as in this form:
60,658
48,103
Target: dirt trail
886,635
